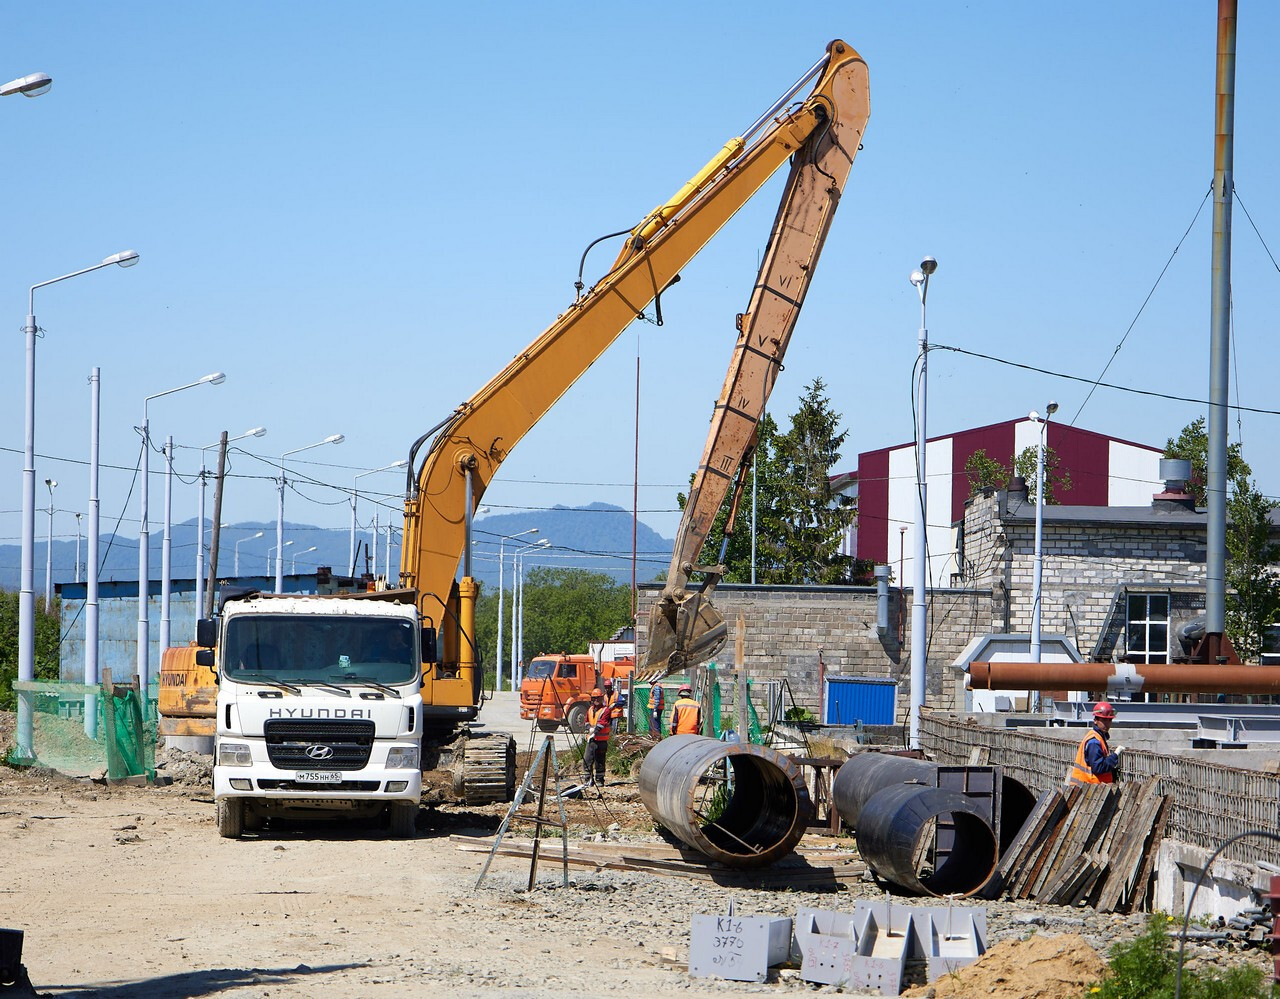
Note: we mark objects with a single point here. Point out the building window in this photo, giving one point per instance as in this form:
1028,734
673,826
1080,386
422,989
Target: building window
1148,628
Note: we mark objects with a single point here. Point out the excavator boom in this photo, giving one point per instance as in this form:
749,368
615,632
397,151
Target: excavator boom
467,449
684,628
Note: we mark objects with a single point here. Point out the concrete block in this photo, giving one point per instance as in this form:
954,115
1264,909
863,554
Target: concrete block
739,948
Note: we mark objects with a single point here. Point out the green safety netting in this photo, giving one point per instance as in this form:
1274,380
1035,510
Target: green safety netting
640,715
81,730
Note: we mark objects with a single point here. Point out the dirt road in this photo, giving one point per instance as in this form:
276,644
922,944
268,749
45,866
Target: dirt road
127,891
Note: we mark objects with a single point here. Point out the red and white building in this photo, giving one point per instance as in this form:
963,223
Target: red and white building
1104,471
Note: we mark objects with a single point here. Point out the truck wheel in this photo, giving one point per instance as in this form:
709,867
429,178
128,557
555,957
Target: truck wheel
230,817
547,725
403,815
577,718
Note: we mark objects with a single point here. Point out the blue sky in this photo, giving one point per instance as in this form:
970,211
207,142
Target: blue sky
361,212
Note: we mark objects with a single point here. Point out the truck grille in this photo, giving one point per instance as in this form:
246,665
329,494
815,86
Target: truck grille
288,739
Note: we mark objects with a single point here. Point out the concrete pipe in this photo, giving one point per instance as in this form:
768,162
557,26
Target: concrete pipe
926,840
865,774
753,818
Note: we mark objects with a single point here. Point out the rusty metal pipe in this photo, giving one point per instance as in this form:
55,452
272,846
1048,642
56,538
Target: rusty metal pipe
764,817
1126,678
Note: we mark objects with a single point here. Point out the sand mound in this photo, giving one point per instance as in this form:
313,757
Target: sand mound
1040,967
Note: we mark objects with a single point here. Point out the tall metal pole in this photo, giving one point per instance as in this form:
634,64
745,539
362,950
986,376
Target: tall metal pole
91,569
1220,331
921,574
166,547
79,535
215,530
48,552
200,539
144,562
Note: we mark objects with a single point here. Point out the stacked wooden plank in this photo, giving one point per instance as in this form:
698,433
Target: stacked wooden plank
1087,845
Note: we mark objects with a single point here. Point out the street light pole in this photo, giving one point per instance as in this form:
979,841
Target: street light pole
921,575
1049,410
237,546
27,592
517,617
501,563
331,439
204,475
351,559
144,535
274,560
293,562
48,551
78,536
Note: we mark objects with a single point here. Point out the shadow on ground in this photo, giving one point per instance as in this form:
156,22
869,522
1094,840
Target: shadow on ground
192,984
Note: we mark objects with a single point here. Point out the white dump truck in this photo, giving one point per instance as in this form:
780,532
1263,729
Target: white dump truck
319,708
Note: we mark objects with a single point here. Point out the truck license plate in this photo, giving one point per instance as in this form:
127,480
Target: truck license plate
318,777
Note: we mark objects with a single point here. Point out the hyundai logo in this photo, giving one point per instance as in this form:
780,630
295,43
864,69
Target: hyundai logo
320,752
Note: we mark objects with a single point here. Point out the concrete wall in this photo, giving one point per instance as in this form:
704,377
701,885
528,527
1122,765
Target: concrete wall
787,627
1084,564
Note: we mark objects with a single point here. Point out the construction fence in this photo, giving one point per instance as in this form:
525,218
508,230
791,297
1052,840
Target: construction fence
1211,802
87,730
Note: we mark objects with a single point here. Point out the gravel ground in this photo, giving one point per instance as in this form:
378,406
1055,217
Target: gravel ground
127,891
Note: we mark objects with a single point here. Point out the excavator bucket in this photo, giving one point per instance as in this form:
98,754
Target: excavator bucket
682,634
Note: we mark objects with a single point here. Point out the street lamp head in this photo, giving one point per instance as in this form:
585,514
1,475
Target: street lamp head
50,482
28,86
1050,409
255,432
125,258
1033,416
928,265
217,378
917,278
395,464
258,535
334,439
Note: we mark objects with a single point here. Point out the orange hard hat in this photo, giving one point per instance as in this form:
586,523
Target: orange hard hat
597,692
1103,709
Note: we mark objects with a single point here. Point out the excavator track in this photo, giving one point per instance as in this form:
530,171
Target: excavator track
488,771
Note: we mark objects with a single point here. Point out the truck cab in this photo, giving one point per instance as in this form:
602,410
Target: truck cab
556,689
319,709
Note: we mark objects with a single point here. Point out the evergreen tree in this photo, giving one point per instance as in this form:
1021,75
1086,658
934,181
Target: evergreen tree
812,526
1253,600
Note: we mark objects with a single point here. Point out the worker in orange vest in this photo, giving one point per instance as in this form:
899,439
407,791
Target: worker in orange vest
599,727
1095,763
657,704
686,714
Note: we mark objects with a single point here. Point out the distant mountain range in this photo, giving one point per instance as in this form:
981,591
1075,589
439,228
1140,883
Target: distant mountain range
597,537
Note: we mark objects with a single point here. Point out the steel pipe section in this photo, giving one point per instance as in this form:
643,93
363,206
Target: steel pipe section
899,822
1126,678
754,818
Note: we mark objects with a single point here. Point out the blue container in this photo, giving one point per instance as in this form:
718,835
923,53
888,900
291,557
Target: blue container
866,699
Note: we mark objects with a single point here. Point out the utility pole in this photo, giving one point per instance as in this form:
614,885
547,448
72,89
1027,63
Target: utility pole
216,527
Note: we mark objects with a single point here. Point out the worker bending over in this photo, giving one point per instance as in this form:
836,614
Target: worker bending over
686,714
1095,763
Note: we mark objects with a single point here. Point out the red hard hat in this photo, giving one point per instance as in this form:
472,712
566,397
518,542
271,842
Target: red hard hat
607,683
1103,709
597,692
686,689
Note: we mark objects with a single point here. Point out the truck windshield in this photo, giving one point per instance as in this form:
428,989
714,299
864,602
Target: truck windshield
315,648
540,669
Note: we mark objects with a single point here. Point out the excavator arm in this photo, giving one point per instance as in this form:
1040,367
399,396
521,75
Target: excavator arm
466,450
684,628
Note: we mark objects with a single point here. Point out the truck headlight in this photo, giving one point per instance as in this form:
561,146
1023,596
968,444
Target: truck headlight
234,754
402,758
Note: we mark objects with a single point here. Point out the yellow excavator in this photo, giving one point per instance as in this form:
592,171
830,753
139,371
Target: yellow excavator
819,134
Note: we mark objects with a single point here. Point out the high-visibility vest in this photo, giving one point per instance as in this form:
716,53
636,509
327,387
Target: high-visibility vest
686,717
600,722
655,699
1080,772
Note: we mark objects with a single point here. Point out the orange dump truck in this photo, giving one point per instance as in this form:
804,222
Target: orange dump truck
556,689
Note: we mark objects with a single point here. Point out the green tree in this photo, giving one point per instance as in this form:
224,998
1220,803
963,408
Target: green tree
1253,599
1192,444
768,484
48,637
564,610
1056,479
984,472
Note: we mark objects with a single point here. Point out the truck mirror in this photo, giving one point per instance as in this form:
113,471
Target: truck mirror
207,633
204,657
429,653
